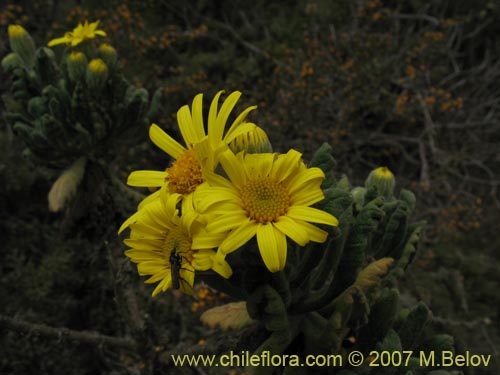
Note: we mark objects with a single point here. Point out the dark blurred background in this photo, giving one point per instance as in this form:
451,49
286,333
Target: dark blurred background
412,85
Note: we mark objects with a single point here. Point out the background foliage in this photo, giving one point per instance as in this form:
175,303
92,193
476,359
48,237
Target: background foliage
408,84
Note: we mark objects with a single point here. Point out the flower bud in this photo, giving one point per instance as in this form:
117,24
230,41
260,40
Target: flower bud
77,65
254,141
108,54
358,196
383,180
22,44
46,65
11,62
97,73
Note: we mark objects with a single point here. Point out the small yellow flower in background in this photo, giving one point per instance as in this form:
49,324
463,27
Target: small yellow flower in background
79,34
268,196
201,148
160,242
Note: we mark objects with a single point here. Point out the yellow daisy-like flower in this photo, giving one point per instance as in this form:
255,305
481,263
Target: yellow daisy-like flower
160,242
267,195
201,148
79,34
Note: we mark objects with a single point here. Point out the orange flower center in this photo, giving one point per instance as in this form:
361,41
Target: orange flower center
185,173
265,199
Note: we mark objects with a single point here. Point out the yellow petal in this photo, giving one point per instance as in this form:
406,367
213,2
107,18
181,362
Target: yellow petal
224,113
207,240
226,222
307,196
290,228
237,122
130,220
268,247
149,199
143,255
308,176
312,214
146,178
62,40
197,113
238,237
222,268
315,234
186,126
144,244
212,120
165,142
247,127
286,164
233,168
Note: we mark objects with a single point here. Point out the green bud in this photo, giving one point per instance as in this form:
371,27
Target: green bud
254,141
383,180
97,74
358,195
22,44
108,54
77,65
343,183
37,106
46,65
11,62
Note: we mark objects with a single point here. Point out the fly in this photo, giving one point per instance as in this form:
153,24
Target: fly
175,268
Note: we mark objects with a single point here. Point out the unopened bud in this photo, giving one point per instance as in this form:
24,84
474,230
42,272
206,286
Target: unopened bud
22,44
108,54
254,141
77,65
97,73
383,180
11,62
358,196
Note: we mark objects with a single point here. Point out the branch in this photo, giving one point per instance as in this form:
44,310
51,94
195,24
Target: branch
61,333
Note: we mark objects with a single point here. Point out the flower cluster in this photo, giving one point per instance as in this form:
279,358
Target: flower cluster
72,109
223,188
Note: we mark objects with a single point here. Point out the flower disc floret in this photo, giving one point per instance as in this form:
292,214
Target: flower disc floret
185,173
264,199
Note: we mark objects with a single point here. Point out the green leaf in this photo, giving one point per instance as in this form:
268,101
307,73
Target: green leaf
323,159
412,327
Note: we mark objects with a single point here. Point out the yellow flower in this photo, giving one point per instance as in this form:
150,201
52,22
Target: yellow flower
267,195
201,148
160,242
79,34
